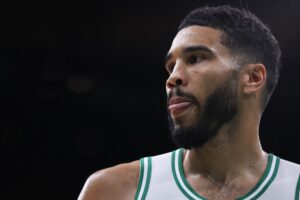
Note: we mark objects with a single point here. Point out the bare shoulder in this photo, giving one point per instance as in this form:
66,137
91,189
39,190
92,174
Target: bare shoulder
118,182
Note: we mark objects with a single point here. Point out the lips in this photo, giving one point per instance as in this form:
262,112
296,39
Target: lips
178,105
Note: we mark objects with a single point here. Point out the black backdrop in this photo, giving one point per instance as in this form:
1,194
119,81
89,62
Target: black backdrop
83,88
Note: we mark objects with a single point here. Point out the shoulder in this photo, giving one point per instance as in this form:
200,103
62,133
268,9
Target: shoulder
118,182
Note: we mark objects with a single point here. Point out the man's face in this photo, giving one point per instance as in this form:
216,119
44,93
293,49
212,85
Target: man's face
202,86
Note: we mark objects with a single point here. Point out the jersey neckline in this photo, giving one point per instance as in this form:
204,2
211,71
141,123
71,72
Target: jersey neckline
260,187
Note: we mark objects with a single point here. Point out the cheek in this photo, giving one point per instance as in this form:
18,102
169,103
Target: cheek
202,84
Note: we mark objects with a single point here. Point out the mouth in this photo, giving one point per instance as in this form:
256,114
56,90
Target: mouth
178,106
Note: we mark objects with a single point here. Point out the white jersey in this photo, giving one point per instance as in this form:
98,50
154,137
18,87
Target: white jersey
162,178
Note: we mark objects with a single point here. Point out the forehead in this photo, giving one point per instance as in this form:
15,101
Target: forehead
198,35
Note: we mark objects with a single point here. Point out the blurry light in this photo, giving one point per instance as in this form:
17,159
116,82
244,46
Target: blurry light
80,84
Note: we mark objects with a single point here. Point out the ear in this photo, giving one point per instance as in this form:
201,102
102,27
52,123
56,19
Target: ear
253,78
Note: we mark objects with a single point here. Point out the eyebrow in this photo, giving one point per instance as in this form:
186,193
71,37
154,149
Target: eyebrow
191,49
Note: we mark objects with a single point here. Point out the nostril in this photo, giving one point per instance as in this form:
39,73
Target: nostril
170,85
178,81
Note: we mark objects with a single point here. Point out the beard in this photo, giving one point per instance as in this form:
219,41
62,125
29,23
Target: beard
220,108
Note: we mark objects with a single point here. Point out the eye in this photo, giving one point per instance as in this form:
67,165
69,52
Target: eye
170,67
195,59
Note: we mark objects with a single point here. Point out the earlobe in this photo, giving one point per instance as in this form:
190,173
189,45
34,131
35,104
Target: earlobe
254,78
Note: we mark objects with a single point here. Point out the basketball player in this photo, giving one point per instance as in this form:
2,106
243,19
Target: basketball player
223,67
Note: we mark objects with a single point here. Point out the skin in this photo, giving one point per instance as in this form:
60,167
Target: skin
230,164
118,182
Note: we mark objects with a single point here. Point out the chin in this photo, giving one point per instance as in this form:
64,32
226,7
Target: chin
183,121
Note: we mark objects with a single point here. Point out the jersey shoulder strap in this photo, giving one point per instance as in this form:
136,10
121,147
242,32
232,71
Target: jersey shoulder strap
144,180
291,176
153,170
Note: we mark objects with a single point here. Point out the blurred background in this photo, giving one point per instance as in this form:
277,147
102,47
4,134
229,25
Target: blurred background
83,88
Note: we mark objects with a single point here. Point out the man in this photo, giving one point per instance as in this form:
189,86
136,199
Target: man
223,67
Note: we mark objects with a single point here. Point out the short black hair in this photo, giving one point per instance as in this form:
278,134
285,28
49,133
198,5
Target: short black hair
246,36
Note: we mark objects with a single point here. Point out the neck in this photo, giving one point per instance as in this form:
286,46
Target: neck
235,152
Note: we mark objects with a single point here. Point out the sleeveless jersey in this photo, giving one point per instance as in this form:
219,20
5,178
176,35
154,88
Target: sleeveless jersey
162,178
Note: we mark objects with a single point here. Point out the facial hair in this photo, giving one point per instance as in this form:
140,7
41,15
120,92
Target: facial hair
220,108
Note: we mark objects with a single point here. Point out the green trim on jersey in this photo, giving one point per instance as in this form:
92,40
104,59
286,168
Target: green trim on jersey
144,179
262,185
178,174
297,195
265,181
148,178
140,179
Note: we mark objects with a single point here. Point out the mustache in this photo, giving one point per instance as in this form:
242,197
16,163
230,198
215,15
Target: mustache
180,93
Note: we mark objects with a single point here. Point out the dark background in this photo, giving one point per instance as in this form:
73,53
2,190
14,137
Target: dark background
83,88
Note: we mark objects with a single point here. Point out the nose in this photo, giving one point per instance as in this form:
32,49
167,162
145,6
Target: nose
177,77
